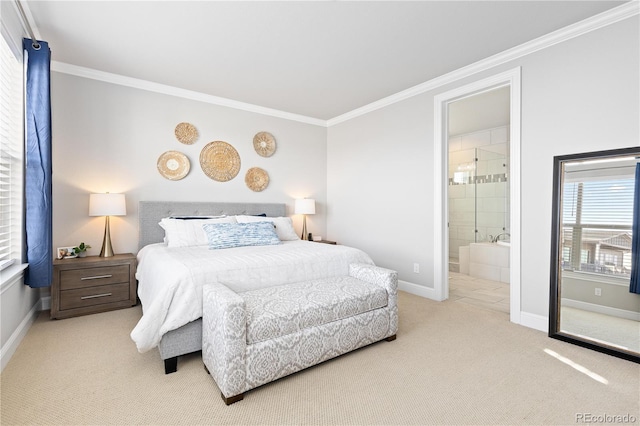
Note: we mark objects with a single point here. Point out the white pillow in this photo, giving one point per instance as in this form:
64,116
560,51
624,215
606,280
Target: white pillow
283,225
189,232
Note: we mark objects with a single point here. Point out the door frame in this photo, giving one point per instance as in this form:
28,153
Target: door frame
509,78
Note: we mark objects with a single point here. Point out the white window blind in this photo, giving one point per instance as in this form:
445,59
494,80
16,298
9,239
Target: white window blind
11,155
597,218
604,202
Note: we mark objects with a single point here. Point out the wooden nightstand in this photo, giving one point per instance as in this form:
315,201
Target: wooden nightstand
92,284
326,242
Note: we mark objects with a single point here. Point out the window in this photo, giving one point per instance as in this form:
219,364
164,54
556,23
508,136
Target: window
11,155
597,217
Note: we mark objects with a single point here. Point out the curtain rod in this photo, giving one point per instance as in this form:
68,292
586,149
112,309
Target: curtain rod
25,21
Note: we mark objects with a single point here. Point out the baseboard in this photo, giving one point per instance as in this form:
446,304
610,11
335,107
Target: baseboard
537,322
416,289
600,309
9,348
46,303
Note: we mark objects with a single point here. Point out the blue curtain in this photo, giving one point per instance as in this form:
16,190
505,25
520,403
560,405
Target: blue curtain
38,212
634,287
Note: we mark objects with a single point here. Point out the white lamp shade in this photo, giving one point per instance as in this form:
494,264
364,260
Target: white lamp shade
305,206
107,205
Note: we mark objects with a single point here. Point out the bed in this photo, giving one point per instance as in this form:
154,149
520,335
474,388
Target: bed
170,279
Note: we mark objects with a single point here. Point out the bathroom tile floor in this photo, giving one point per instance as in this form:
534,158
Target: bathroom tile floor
486,294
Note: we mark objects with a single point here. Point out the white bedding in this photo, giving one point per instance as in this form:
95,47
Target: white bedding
170,280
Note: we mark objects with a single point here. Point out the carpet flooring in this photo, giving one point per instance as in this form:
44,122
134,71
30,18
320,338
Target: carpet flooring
452,364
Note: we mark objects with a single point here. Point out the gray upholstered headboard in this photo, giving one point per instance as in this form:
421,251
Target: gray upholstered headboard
150,213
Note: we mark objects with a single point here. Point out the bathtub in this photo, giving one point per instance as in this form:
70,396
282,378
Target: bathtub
489,261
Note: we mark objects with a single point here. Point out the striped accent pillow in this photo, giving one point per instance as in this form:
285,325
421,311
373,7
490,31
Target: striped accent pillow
228,235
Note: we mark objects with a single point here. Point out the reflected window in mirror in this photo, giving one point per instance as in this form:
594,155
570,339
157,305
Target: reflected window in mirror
593,300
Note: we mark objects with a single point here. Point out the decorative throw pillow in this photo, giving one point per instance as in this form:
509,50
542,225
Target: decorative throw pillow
283,225
184,233
228,235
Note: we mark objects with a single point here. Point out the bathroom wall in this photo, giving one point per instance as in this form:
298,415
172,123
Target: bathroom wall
478,191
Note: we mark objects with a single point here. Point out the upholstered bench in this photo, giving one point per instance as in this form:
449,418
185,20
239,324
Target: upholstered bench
255,337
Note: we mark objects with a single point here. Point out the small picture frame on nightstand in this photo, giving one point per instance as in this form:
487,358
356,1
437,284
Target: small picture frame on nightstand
65,253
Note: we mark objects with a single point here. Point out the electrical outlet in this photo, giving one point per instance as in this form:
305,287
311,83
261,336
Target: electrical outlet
598,291
416,268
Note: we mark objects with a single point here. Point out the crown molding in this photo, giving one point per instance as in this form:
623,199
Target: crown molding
150,86
30,22
593,23
622,12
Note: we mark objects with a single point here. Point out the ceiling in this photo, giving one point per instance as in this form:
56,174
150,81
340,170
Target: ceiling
318,59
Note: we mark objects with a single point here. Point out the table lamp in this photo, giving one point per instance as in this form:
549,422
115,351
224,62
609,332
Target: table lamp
305,206
107,205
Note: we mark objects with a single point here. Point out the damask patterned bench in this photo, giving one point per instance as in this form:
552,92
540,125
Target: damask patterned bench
255,337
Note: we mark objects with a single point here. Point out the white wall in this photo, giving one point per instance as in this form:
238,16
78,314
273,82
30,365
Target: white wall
580,287
379,189
107,138
19,306
577,96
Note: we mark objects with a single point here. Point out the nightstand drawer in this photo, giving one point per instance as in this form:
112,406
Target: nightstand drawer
90,277
91,296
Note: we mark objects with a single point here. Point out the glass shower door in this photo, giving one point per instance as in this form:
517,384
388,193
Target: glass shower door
491,195
462,204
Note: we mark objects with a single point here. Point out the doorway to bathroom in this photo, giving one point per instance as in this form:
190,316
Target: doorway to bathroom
478,184
478,198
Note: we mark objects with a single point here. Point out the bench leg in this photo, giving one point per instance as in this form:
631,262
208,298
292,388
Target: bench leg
391,338
171,365
226,400
232,399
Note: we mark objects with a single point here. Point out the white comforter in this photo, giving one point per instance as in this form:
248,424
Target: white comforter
170,280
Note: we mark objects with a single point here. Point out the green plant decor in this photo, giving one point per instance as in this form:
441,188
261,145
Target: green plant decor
81,249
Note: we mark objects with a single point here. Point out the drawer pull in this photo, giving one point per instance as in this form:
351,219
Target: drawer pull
93,296
97,277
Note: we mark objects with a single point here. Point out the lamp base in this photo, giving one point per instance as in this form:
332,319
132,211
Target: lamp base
107,249
304,227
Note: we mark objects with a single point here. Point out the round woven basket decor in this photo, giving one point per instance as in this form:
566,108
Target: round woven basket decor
256,179
264,143
173,165
220,161
186,133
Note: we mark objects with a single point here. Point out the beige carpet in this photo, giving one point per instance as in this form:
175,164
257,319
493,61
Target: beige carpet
451,364
624,333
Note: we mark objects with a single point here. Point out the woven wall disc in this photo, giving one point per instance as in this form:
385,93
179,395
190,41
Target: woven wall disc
256,179
186,133
173,165
220,161
264,143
